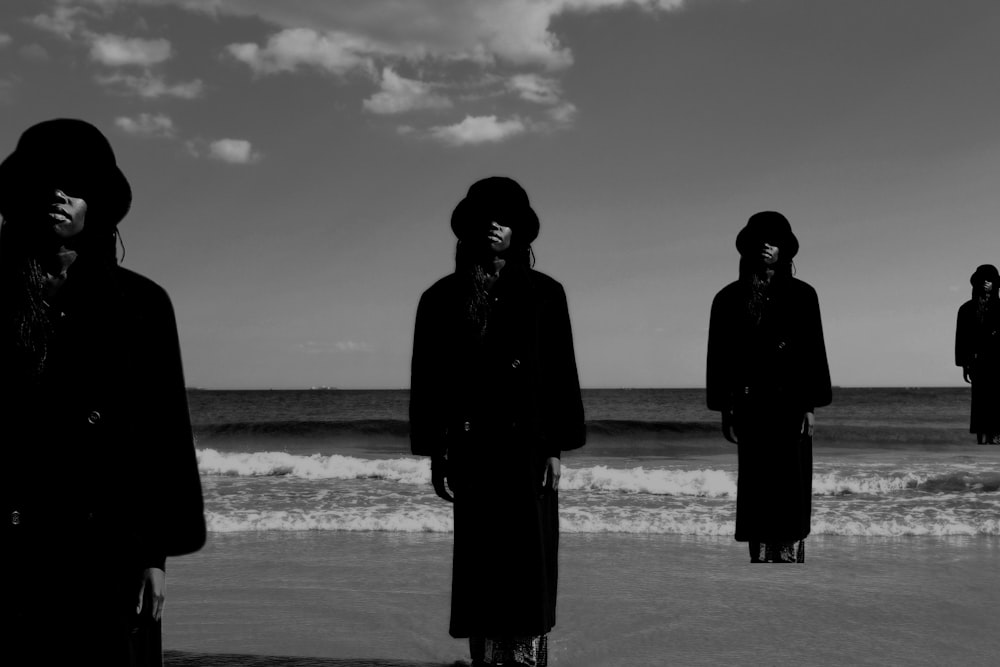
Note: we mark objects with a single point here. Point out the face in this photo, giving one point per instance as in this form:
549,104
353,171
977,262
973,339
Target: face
499,237
769,253
66,213
988,286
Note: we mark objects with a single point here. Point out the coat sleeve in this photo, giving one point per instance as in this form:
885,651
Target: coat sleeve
817,369
717,366
964,354
564,427
427,427
176,524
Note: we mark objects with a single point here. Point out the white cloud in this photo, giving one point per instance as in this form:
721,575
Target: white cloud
233,151
564,113
117,51
535,88
5,39
63,21
399,95
379,38
157,125
34,52
333,51
151,86
352,346
514,31
6,90
479,130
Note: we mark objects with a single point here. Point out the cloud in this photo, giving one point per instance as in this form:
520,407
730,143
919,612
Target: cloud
63,21
7,90
334,51
518,32
535,88
313,347
34,52
5,39
352,346
233,151
399,95
117,51
151,86
379,38
154,125
563,114
478,130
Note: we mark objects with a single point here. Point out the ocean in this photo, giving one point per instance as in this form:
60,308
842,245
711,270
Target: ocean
327,541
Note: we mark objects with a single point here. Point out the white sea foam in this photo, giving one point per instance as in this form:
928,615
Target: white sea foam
625,520
655,481
666,481
832,484
413,521
316,466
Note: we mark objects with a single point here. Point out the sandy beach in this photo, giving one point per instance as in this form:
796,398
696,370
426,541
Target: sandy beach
382,599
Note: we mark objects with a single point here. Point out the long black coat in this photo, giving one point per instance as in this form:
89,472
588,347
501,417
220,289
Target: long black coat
769,375
498,407
100,476
977,347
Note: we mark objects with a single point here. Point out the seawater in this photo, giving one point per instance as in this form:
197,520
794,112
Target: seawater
888,462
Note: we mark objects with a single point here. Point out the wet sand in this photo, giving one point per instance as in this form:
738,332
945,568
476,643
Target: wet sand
381,599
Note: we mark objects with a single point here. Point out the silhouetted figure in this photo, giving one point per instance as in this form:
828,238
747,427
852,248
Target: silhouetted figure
100,481
494,399
977,351
767,372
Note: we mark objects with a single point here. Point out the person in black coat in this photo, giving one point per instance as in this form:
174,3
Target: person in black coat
100,477
767,373
494,399
977,351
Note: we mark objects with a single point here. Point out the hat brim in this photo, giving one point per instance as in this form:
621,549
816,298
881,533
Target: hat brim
985,272
469,214
750,239
109,194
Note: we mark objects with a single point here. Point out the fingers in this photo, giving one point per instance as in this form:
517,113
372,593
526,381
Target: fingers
442,490
142,590
157,602
551,474
550,480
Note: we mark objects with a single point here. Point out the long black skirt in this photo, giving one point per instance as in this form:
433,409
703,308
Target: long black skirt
505,566
985,397
774,483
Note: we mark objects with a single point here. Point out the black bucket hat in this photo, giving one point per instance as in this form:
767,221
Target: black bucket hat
498,199
70,154
985,272
767,227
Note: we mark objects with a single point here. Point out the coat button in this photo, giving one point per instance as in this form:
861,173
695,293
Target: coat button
94,417
15,517
467,426
515,363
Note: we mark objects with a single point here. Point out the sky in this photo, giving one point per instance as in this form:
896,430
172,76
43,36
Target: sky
294,165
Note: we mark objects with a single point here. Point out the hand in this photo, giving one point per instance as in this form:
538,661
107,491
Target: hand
550,478
439,477
728,427
967,374
808,424
155,580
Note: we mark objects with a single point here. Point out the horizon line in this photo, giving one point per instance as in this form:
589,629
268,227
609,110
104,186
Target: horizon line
592,388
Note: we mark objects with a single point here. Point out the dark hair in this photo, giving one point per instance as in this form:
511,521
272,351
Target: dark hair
466,255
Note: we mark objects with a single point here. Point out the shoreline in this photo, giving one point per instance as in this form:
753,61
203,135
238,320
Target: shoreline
382,599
